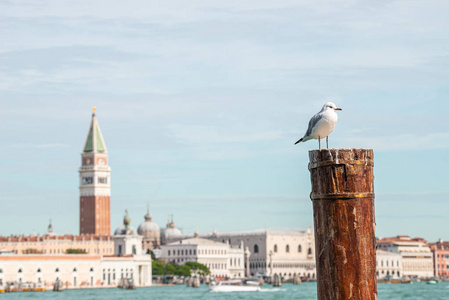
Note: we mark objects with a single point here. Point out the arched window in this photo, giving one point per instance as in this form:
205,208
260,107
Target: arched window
57,270
287,248
1,270
91,269
256,248
74,269
38,270
20,270
275,248
309,252
299,249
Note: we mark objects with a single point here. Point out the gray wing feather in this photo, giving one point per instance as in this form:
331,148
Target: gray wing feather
315,119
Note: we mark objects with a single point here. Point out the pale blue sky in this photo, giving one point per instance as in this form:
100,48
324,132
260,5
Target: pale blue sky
200,103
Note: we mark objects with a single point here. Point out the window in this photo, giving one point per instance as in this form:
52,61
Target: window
134,249
74,269
91,269
168,252
287,248
309,252
275,248
299,248
57,270
256,248
38,270
88,180
20,270
103,180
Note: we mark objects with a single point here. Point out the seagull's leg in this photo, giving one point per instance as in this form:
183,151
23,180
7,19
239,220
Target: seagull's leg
327,142
319,142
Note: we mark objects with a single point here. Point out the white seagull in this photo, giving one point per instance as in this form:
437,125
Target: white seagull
322,124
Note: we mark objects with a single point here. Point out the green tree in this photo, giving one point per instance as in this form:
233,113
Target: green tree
157,267
76,251
198,268
153,257
170,269
182,271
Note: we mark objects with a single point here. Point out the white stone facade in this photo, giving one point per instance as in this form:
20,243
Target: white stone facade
222,259
127,244
388,265
416,256
137,267
285,252
75,271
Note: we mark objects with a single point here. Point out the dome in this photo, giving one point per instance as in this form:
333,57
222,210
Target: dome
125,229
148,228
170,232
122,230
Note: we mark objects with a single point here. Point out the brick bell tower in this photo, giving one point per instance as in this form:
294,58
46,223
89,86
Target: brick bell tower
95,184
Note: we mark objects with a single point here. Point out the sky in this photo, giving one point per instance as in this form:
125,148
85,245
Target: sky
200,103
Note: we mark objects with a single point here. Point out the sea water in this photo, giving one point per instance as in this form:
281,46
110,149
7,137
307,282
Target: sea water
305,291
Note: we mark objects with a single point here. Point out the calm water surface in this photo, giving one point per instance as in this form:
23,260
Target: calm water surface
287,291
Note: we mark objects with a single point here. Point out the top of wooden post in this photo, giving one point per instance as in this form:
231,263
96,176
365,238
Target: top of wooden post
341,173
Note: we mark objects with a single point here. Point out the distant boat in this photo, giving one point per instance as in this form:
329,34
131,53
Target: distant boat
2,288
228,286
394,281
432,282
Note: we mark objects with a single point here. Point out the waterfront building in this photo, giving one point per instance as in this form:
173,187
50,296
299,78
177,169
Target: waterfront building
53,244
95,183
285,252
222,259
416,256
440,252
150,232
81,270
388,265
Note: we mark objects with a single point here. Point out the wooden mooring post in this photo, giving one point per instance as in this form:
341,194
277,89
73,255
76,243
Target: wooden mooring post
343,213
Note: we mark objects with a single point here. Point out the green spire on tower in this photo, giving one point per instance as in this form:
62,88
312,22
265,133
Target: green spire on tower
94,141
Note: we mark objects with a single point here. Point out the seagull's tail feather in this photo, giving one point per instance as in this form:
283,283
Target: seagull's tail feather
300,140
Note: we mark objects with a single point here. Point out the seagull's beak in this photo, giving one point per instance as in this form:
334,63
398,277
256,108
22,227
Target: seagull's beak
338,108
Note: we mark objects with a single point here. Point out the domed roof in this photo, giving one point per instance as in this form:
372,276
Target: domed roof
125,229
170,231
148,228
